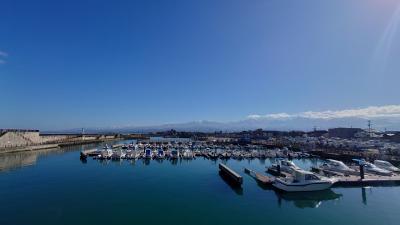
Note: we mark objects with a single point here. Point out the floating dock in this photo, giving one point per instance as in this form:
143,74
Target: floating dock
369,180
89,152
265,180
231,174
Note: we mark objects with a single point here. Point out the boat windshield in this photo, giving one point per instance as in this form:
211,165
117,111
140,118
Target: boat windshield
311,177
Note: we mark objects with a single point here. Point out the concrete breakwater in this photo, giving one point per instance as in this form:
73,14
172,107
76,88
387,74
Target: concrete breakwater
12,140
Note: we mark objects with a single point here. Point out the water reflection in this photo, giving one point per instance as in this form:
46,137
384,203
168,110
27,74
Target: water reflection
233,185
364,194
16,160
10,161
307,199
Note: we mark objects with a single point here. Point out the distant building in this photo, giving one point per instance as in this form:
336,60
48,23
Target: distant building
344,132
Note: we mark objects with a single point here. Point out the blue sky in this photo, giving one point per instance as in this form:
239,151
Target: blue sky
68,64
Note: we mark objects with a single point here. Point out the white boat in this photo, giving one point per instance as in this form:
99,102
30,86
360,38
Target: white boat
338,166
369,167
303,181
118,154
286,166
187,154
106,153
386,165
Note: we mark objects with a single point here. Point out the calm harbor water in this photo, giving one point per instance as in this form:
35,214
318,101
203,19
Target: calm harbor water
55,187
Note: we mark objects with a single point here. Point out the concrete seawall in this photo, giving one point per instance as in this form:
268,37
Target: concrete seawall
28,140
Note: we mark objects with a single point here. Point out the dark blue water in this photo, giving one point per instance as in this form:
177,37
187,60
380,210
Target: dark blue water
55,187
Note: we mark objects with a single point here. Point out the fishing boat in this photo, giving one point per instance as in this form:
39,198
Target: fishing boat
188,154
160,154
148,153
338,166
118,154
213,155
286,166
106,153
386,165
174,154
225,155
369,167
303,181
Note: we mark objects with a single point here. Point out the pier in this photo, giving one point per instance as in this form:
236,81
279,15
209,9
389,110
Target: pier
231,174
89,152
369,180
265,180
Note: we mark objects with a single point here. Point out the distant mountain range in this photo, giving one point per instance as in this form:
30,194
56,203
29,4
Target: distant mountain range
283,124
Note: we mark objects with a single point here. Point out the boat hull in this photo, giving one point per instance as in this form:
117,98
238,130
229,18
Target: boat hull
301,187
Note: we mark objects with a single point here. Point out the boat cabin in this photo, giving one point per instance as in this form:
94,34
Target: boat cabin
303,176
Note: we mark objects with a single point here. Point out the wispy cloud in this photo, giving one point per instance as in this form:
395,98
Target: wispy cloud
3,55
382,52
388,111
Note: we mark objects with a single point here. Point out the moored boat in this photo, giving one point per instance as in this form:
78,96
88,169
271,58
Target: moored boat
286,166
174,154
338,166
160,154
386,165
188,154
303,181
369,167
148,153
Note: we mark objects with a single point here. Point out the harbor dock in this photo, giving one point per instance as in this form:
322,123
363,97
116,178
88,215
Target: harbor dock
231,174
89,152
265,180
369,180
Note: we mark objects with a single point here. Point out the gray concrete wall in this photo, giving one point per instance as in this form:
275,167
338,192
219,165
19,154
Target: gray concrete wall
26,138
19,138
22,138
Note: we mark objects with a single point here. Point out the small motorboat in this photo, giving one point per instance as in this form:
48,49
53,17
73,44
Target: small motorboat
106,153
338,166
286,166
174,154
188,154
386,165
118,155
148,153
371,168
160,154
303,181
213,155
